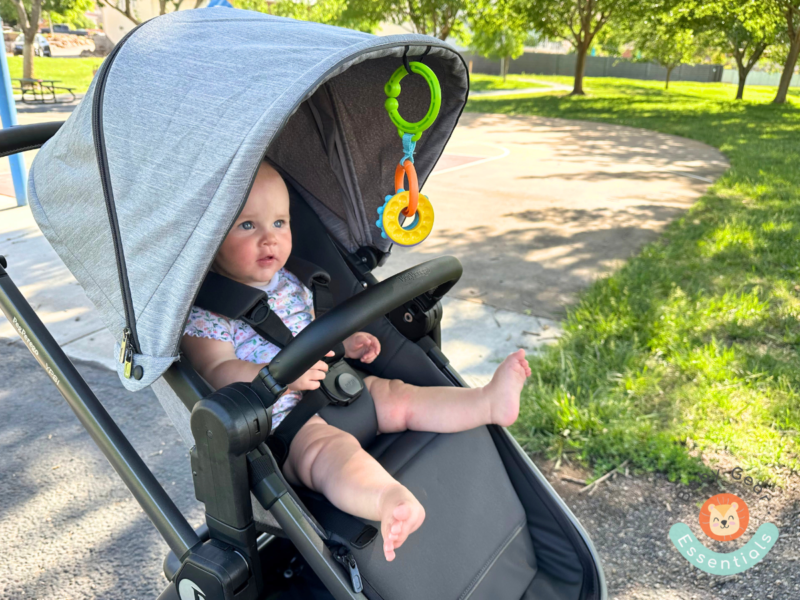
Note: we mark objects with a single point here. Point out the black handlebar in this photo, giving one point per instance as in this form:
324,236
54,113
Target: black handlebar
26,137
311,344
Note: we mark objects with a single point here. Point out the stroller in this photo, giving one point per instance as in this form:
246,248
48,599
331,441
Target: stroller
137,190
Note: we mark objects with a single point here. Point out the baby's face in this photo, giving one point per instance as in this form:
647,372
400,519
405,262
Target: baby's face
260,241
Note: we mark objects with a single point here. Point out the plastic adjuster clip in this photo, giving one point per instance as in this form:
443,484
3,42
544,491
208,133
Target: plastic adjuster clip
267,388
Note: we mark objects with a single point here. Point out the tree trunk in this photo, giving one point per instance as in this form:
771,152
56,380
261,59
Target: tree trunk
27,58
506,65
669,72
580,67
743,71
788,71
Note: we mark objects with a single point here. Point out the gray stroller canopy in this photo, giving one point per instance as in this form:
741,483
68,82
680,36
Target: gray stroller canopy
192,101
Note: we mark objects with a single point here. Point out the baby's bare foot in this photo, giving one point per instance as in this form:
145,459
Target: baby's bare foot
401,515
505,387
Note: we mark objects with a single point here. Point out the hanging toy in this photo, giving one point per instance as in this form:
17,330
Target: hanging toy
408,204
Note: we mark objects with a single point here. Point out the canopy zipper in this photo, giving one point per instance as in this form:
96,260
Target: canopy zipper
130,339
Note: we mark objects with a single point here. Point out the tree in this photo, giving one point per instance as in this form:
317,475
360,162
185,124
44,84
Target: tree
667,43
742,28
26,14
789,10
497,29
329,12
124,7
438,18
579,22
28,20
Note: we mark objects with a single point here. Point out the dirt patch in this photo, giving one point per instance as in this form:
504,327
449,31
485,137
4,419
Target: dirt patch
629,517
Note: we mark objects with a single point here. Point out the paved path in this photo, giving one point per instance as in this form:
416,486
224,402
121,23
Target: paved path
70,529
535,208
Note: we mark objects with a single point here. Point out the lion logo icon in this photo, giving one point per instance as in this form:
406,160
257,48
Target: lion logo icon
724,517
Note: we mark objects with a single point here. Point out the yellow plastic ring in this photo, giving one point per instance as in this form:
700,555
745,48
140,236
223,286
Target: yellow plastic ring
419,230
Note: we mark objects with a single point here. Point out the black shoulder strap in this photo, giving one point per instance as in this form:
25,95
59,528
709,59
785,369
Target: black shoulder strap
235,300
317,280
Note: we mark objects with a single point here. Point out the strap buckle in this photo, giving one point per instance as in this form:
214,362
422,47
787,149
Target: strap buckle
259,313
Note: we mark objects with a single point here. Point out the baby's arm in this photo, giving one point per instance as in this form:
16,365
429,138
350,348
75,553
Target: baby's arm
217,363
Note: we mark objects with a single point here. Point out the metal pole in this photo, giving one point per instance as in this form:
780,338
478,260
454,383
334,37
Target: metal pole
141,482
8,113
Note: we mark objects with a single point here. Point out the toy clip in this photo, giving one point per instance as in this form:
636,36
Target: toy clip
392,90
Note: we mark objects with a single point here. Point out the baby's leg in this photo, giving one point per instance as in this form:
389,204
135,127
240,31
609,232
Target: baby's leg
401,406
332,462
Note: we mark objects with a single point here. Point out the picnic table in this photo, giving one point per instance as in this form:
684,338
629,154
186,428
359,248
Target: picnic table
40,91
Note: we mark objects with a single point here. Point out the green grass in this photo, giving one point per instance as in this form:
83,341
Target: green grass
691,349
482,83
73,72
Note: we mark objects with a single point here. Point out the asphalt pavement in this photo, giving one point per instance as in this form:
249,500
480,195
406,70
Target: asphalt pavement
69,527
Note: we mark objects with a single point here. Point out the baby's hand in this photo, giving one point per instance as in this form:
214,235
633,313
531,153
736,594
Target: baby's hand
362,345
310,380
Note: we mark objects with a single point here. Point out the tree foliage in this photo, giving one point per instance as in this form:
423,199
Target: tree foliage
438,18
497,29
789,11
580,22
329,12
665,41
743,29
61,11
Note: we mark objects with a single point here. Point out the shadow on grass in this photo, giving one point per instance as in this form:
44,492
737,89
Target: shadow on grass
695,338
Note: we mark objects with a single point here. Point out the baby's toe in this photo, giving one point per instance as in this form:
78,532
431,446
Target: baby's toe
402,512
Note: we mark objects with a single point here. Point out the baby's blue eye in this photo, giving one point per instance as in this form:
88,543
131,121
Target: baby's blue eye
279,223
247,225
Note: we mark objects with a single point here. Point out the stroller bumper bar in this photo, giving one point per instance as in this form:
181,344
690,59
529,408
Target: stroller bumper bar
141,482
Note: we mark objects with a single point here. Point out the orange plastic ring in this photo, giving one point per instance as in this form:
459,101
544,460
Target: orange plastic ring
407,169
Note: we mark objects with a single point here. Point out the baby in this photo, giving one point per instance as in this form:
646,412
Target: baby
321,457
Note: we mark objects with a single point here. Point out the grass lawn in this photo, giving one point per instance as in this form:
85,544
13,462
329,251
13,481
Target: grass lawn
482,83
690,350
73,72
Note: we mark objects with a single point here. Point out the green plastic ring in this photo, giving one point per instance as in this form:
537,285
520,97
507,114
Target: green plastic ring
392,89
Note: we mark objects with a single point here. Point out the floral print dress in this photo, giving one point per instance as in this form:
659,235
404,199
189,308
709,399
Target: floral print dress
290,300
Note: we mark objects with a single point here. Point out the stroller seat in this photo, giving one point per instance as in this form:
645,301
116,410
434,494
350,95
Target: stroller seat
476,541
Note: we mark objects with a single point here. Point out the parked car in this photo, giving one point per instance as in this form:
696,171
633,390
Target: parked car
41,47
61,28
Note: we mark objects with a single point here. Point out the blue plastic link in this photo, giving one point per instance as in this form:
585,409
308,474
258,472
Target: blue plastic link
409,146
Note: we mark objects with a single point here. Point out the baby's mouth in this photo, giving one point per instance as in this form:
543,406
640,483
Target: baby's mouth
266,260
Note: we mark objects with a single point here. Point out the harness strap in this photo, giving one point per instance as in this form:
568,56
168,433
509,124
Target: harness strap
279,440
235,300
315,279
